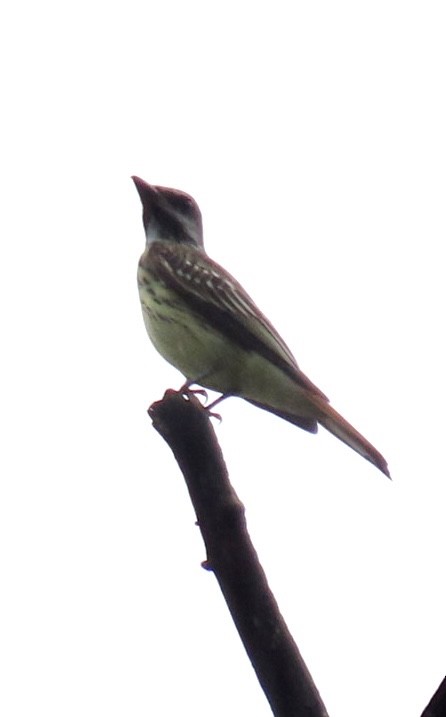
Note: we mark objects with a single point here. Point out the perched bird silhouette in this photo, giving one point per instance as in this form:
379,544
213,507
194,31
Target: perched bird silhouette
203,322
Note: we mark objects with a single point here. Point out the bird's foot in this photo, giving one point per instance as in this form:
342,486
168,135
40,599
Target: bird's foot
186,391
214,403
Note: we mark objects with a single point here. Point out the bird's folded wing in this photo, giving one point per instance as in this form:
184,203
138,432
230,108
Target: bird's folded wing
210,291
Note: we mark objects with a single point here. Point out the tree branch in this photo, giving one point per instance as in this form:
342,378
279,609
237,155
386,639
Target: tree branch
282,673
437,705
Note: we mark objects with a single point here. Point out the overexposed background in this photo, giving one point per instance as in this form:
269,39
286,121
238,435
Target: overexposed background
312,136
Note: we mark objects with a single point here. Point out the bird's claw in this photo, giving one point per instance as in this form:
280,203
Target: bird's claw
201,392
185,390
214,415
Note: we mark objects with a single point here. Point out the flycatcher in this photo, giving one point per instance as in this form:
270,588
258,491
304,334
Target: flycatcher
204,323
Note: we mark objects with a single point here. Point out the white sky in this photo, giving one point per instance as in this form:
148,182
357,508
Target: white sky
313,137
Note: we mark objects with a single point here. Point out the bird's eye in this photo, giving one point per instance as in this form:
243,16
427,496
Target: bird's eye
184,203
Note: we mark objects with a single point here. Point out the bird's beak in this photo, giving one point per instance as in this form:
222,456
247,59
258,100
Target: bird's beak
145,191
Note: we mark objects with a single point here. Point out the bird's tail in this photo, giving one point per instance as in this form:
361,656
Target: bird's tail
321,412
339,427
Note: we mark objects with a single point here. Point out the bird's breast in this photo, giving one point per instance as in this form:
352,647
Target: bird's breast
185,339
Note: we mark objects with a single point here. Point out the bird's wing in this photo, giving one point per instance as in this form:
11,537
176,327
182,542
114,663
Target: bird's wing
213,293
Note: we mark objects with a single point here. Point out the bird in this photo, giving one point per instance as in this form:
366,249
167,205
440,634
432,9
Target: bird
203,322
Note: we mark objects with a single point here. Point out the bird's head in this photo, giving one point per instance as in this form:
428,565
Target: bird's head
169,215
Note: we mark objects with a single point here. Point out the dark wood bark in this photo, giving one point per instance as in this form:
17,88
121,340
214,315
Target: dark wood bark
437,705
186,426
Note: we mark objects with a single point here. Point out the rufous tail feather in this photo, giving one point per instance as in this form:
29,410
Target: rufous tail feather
339,427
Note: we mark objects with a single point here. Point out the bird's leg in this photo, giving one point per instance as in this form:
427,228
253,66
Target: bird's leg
217,400
214,403
186,389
